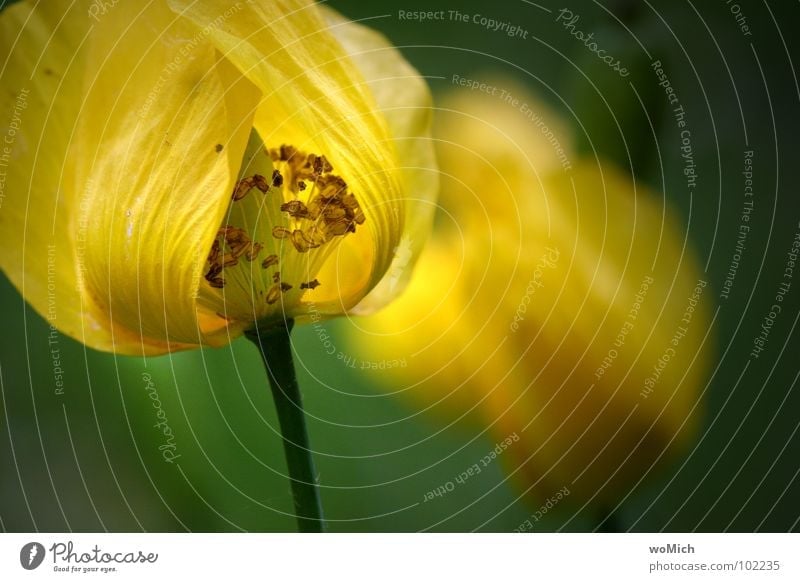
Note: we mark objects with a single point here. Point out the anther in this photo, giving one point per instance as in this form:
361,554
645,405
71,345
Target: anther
281,232
273,294
252,253
295,209
269,261
246,184
214,254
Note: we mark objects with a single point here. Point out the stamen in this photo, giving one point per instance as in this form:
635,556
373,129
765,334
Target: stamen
246,184
255,248
270,261
338,209
238,249
275,291
295,209
281,232
214,254
326,209
273,294
300,242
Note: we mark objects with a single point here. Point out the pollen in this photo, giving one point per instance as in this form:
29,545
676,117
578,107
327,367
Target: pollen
230,245
330,210
269,261
275,291
295,209
305,207
253,251
244,186
273,294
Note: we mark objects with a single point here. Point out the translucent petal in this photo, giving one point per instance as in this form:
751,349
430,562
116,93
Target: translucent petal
404,99
163,128
43,240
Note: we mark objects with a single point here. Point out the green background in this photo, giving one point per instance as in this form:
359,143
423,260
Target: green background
88,459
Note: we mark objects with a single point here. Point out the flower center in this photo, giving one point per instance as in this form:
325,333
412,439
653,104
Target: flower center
278,231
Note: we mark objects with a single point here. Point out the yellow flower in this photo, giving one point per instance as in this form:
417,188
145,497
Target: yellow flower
175,172
557,303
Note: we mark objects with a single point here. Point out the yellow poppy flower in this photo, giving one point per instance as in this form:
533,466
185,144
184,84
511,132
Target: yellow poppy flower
558,303
177,172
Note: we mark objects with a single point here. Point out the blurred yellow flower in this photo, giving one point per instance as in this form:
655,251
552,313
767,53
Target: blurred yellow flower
180,171
558,301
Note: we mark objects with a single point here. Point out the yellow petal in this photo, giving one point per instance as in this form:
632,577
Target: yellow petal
403,98
625,295
521,136
41,237
316,100
529,284
163,129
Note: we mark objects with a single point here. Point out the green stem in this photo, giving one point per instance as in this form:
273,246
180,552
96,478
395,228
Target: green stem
276,351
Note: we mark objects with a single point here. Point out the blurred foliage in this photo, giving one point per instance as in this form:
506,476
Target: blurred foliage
89,459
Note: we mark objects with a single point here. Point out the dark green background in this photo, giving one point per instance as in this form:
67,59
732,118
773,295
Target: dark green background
88,459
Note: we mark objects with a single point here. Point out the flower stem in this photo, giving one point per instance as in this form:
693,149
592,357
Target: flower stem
276,351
